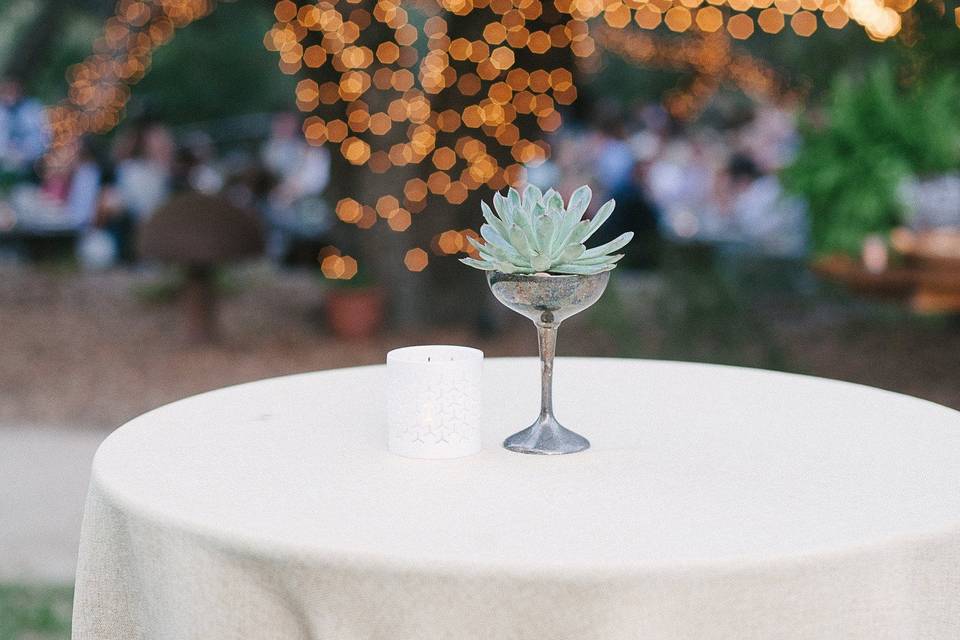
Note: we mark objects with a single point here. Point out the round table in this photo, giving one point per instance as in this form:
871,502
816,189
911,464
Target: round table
715,502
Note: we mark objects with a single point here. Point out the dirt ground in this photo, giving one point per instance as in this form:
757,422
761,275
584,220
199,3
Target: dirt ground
94,350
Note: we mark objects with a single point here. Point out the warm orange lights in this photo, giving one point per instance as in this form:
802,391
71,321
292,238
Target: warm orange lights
466,109
709,19
416,259
415,189
803,23
770,20
710,57
335,266
740,26
348,210
678,19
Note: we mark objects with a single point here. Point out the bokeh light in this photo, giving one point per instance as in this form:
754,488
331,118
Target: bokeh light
386,74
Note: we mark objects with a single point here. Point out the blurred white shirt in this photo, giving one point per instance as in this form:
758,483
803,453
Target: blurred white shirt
142,185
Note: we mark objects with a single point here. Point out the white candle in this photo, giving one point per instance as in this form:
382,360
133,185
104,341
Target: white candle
434,401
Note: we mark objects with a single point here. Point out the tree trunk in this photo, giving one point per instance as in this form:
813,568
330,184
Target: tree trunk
200,305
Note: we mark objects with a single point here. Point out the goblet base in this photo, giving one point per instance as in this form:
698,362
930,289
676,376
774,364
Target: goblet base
546,437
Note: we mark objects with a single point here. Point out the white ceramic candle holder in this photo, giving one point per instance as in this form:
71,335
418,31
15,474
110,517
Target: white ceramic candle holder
434,401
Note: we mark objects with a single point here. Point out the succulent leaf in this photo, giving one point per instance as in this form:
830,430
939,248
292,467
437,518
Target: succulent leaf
571,253
503,209
513,197
586,262
483,265
540,263
491,251
579,202
581,231
520,240
609,247
581,270
553,201
492,219
494,237
602,214
531,197
544,227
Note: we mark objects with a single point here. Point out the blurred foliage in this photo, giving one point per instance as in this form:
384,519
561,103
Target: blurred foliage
214,68
40,613
877,132
217,67
74,43
930,39
704,305
786,52
169,284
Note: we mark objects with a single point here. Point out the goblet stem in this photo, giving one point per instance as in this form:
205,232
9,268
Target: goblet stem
546,435
547,338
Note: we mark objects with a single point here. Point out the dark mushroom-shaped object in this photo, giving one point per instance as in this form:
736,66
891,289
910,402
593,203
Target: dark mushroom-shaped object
200,233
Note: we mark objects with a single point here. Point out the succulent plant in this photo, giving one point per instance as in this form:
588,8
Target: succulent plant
538,234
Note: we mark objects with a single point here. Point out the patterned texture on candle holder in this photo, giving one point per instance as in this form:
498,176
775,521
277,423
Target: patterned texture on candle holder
434,408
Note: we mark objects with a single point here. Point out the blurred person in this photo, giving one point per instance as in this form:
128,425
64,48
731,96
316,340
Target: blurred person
302,170
614,156
141,182
932,202
53,216
115,221
23,128
144,173
67,194
298,216
635,212
681,183
654,118
544,174
761,215
196,168
572,163
83,191
645,145
771,137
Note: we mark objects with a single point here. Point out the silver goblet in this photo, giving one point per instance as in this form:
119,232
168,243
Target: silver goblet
548,300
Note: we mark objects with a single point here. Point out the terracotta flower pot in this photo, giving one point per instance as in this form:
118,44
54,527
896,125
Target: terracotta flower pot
355,314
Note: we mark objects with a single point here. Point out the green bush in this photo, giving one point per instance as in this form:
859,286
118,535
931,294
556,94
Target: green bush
876,134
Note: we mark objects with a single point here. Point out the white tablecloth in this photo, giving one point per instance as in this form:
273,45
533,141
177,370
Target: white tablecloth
715,502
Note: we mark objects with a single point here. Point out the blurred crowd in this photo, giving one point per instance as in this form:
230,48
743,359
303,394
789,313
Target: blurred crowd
714,182
96,203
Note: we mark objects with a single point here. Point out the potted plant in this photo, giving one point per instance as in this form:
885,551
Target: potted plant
538,265
354,306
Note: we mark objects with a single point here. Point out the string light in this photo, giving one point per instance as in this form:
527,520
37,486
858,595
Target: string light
381,108
709,57
335,266
418,67
414,70
99,87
